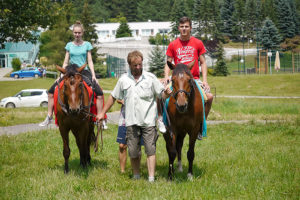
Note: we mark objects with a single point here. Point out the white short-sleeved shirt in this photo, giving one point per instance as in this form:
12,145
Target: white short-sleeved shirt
139,98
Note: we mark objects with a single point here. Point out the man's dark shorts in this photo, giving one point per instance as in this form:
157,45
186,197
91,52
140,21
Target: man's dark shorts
121,138
87,77
133,138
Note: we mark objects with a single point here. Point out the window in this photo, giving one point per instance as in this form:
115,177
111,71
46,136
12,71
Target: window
103,34
25,94
36,93
146,32
161,31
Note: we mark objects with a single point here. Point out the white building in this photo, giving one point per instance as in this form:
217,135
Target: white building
107,31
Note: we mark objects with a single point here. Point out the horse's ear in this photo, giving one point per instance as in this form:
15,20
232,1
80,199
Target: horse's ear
62,70
82,67
170,65
191,64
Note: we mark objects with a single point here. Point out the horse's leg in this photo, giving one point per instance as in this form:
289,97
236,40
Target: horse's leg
81,140
66,149
90,140
191,153
170,146
179,143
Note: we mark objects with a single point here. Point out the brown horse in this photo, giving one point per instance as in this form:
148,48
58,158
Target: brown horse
185,111
73,105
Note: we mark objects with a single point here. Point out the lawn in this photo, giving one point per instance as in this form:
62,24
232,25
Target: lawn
235,161
249,161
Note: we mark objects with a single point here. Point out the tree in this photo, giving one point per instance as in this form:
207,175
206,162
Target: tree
54,40
227,10
157,61
123,30
16,64
269,35
221,68
89,29
19,19
178,11
286,24
238,18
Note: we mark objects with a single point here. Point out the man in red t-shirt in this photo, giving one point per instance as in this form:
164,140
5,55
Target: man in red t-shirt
186,49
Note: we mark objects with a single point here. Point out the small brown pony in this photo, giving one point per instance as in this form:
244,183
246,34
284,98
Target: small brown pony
185,111
73,105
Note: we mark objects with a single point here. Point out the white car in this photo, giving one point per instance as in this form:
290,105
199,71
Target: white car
26,98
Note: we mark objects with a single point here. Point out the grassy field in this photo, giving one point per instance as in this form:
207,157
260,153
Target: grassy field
250,161
235,161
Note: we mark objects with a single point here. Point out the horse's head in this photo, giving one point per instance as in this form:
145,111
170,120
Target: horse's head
73,89
182,83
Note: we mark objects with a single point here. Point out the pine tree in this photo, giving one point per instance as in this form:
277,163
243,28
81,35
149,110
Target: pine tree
178,11
295,16
227,10
286,24
250,22
238,19
157,61
269,36
123,30
221,68
89,29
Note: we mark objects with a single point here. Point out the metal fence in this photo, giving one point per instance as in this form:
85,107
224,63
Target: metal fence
289,62
115,66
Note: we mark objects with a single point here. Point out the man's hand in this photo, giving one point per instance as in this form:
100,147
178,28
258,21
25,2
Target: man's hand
100,117
166,80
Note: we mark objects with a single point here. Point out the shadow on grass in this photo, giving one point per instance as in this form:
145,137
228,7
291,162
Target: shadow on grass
162,171
76,169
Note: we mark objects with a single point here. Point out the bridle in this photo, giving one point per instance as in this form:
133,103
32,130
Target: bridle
82,108
188,94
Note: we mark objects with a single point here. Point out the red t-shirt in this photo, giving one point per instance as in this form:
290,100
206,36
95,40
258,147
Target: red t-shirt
187,51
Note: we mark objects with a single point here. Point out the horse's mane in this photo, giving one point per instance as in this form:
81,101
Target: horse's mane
181,68
71,70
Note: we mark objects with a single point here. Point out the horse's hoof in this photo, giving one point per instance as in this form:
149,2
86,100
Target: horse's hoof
179,166
190,176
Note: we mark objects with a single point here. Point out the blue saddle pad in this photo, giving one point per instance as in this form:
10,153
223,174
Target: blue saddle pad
204,127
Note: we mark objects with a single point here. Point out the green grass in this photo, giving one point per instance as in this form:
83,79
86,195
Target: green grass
261,85
252,161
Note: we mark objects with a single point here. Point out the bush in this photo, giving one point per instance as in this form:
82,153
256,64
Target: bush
159,39
100,70
16,64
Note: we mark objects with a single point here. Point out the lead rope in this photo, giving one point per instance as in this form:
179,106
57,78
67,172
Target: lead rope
99,127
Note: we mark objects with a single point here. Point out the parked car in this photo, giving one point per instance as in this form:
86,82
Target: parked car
26,98
27,72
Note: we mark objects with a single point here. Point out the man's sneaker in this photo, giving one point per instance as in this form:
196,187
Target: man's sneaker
46,122
161,126
199,137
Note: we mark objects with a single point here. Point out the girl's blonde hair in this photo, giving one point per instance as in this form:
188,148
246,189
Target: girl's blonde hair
78,24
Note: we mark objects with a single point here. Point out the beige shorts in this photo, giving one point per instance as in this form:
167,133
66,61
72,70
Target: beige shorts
133,139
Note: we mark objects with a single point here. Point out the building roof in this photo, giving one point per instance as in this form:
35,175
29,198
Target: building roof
17,47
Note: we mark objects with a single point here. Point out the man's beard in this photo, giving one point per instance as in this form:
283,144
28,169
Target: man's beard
137,72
